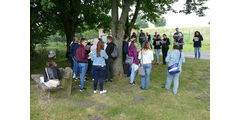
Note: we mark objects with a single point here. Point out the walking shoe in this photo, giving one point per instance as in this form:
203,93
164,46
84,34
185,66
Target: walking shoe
103,91
141,88
110,80
134,83
95,91
81,89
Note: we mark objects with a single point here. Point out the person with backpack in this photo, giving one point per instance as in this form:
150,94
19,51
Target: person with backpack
165,47
82,60
174,57
109,50
132,52
141,38
125,52
73,49
197,44
98,57
146,58
157,46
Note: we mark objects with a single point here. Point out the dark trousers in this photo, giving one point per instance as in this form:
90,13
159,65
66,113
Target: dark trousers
99,72
164,54
129,69
109,66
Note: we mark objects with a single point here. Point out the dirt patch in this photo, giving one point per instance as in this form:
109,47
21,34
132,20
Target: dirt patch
138,99
101,106
96,117
86,103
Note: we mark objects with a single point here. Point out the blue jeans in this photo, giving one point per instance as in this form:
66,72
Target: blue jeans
147,69
133,73
99,72
157,52
75,67
197,50
176,82
83,69
93,75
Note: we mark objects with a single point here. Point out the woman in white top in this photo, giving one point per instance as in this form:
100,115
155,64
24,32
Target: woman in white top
146,57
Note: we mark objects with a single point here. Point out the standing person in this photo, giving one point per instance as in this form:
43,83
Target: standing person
180,41
173,58
146,57
98,57
149,39
73,50
124,53
82,60
141,38
109,61
132,52
69,55
157,47
175,36
197,44
165,47
134,35
93,47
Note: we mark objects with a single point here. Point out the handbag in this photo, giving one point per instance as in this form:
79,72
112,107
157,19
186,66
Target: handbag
52,82
173,69
129,60
141,71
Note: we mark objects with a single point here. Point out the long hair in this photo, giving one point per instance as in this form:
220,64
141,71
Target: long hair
100,46
132,43
199,34
51,64
146,46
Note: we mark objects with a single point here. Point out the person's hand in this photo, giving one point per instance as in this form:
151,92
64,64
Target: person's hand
90,54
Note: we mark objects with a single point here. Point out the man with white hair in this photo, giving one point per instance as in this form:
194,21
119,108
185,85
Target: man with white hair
179,41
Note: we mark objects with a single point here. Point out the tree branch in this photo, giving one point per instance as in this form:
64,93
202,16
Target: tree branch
125,11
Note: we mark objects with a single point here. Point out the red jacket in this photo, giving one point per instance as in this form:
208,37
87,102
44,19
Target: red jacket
81,54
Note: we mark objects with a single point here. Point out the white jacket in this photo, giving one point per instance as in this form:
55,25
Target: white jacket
147,56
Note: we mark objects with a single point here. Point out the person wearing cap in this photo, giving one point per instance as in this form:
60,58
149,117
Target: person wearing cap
82,60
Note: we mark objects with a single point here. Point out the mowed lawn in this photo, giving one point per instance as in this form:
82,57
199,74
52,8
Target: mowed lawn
126,102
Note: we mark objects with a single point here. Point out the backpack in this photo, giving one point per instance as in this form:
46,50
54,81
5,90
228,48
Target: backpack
114,54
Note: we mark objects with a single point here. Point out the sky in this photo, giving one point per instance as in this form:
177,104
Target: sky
182,20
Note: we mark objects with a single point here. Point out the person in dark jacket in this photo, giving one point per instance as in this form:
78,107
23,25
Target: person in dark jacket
125,52
82,60
175,36
73,49
197,44
109,61
180,41
149,39
141,38
157,46
134,35
51,72
165,47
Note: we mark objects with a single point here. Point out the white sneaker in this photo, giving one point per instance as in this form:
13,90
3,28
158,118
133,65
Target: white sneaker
95,91
104,91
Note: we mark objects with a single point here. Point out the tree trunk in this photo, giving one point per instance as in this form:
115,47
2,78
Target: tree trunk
118,32
69,31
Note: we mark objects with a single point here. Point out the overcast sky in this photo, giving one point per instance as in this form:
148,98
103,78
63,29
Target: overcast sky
182,20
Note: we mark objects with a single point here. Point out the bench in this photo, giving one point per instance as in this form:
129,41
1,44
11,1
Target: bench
66,83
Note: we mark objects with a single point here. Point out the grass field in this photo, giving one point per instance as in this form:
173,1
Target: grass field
188,36
125,102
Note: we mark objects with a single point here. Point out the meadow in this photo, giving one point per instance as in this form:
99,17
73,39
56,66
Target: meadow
188,36
123,101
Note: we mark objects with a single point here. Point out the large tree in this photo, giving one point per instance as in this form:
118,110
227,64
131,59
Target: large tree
160,22
150,10
141,23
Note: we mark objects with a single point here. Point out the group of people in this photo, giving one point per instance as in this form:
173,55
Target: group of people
99,56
